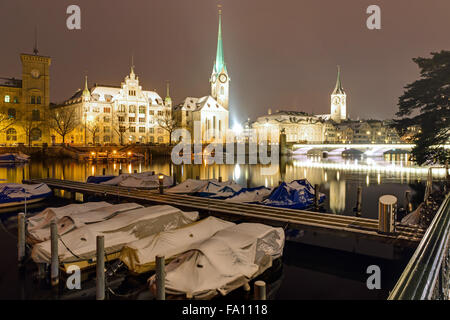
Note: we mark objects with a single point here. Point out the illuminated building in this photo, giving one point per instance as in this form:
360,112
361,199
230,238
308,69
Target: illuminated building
211,111
26,102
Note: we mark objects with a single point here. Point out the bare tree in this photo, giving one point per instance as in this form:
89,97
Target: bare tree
93,127
6,121
29,122
168,122
120,129
63,121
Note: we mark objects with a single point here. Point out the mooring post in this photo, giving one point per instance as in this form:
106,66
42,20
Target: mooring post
197,178
54,268
120,171
104,171
174,177
316,197
48,172
359,201
160,278
100,280
21,238
260,290
161,185
387,210
220,179
408,205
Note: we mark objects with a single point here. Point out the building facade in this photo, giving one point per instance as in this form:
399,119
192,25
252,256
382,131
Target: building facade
118,114
24,103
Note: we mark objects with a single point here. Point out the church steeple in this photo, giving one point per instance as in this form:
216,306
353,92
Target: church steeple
219,65
168,99
338,89
220,81
338,101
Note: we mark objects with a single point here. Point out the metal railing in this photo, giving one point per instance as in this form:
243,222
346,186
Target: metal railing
427,275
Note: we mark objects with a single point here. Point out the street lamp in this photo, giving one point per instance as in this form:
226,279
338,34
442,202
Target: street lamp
161,180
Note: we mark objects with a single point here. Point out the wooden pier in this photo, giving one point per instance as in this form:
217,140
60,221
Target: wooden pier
343,226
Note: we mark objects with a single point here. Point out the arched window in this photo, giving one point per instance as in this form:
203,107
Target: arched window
38,100
35,134
11,134
11,113
106,139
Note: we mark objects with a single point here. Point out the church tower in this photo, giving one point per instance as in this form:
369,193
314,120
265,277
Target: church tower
220,81
338,101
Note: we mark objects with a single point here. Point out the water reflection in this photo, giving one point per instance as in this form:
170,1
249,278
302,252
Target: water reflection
337,178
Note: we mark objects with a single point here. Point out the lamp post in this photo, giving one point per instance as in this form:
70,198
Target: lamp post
161,186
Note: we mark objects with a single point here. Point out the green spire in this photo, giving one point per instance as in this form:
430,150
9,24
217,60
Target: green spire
168,99
220,61
338,89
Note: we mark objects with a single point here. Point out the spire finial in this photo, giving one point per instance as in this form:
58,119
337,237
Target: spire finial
132,64
219,6
35,49
168,88
219,64
338,89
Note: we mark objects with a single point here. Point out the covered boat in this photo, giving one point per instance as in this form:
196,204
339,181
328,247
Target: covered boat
297,194
207,188
14,157
14,194
139,256
250,195
145,180
70,219
224,262
79,246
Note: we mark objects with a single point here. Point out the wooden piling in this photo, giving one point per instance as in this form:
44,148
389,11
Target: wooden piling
160,278
316,197
100,280
260,290
120,171
54,269
408,205
220,179
21,238
174,177
48,172
197,178
104,171
359,201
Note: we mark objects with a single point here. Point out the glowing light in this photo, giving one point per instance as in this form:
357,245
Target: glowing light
129,153
129,168
367,180
237,128
237,172
93,154
338,175
114,151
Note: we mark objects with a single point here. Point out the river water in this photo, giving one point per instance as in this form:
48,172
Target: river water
306,272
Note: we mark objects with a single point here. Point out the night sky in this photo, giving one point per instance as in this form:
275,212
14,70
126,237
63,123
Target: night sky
280,54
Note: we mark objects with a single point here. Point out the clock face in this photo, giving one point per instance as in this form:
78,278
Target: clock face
214,78
336,100
223,78
35,73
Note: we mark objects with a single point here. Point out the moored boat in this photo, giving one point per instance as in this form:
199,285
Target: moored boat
15,194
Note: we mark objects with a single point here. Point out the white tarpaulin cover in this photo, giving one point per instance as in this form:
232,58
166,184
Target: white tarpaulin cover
225,261
139,256
207,188
118,231
139,180
78,219
44,218
189,186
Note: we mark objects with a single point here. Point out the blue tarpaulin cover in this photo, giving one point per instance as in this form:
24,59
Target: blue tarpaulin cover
298,194
98,179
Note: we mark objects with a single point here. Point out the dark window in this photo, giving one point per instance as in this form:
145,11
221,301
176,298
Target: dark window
35,115
33,100
38,100
11,113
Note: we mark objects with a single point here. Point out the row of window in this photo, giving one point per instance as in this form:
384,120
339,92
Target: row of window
35,114
35,134
107,139
131,109
33,99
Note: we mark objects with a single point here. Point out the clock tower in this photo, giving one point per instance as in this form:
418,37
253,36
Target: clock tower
220,81
338,101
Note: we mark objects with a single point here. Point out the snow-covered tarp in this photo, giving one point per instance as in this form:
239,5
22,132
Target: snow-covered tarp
224,262
45,217
15,193
207,188
80,244
139,256
298,194
77,219
250,195
134,180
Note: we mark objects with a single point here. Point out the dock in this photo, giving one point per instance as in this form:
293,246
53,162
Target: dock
313,222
